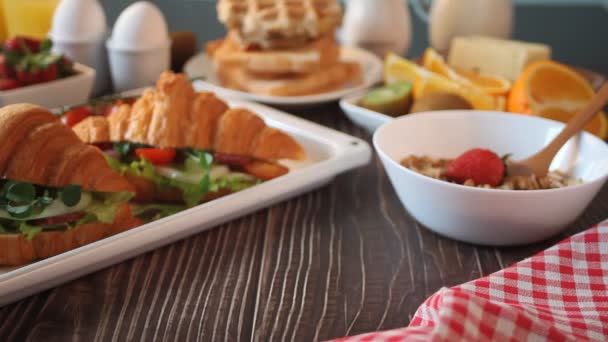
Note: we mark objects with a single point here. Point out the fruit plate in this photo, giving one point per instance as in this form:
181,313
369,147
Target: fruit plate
200,66
66,91
329,154
368,119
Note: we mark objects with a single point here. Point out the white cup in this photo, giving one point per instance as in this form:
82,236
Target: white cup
131,69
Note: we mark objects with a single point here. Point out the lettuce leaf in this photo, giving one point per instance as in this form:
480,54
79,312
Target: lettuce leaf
105,206
192,194
29,230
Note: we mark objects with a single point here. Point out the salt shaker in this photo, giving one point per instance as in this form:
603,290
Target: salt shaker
380,26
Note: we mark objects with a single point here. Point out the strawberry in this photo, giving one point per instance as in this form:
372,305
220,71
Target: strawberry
50,73
22,45
481,166
66,66
9,83
37,75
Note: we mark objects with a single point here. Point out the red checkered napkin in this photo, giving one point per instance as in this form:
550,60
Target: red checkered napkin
560,294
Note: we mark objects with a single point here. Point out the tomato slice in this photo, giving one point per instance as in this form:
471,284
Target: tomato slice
74,116
67,218
156,156
232,160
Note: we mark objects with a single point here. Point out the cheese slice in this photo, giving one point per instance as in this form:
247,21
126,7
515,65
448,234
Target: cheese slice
506,58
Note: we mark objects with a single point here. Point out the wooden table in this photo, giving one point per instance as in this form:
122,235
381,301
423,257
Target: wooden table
342,260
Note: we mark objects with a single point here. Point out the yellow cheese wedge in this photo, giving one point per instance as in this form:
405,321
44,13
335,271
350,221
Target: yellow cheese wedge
506,58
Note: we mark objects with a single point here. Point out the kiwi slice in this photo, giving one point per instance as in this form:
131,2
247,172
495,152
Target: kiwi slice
392,99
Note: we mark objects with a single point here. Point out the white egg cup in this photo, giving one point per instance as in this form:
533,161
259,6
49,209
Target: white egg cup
136,68
91,53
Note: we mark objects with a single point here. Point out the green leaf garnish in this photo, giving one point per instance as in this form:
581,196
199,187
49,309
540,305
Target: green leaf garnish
206,160
19,211
71,194
46,45
21,192
122,148
204,184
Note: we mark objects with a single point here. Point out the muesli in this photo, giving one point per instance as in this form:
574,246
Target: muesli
437,168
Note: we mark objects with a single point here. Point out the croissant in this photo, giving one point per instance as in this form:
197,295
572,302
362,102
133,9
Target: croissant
173,115
16,250
37,148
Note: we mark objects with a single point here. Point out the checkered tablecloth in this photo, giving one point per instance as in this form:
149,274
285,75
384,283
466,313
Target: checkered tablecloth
560,294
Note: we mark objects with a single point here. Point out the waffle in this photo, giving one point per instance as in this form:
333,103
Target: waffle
329,78
308,58
279,23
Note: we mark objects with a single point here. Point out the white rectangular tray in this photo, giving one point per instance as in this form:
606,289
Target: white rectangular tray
329,153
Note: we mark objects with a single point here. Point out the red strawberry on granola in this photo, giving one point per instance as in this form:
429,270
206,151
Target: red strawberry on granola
479,165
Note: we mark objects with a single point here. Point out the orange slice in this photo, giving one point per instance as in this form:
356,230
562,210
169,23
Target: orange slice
400,69
491,84
434,62
553,90
501,103
477,98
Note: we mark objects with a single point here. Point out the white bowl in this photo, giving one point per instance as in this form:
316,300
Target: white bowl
489,216
66,91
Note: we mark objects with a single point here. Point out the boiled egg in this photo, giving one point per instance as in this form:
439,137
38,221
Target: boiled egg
141,26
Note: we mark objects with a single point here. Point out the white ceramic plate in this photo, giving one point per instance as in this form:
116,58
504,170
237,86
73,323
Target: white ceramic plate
199,66
329,153
363,117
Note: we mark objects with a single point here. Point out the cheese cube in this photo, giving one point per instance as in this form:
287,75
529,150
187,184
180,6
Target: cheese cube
500,57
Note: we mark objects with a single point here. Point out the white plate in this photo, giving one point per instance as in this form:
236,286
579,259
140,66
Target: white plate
199,66
329,153
363,117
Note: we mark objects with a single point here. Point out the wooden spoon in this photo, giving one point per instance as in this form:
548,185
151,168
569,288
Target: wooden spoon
539,163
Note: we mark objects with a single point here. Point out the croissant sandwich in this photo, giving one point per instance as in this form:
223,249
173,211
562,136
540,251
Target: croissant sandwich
177,145
56,193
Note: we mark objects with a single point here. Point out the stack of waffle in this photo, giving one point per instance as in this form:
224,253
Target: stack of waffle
281,47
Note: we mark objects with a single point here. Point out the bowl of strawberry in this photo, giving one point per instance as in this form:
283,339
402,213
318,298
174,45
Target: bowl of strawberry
448,170
31,72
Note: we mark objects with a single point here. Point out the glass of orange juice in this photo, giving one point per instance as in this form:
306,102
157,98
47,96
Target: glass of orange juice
31,18
2,23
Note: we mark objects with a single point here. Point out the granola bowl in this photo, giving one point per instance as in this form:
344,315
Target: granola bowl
489,216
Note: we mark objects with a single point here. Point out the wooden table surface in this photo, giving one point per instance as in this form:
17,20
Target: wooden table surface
341,260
